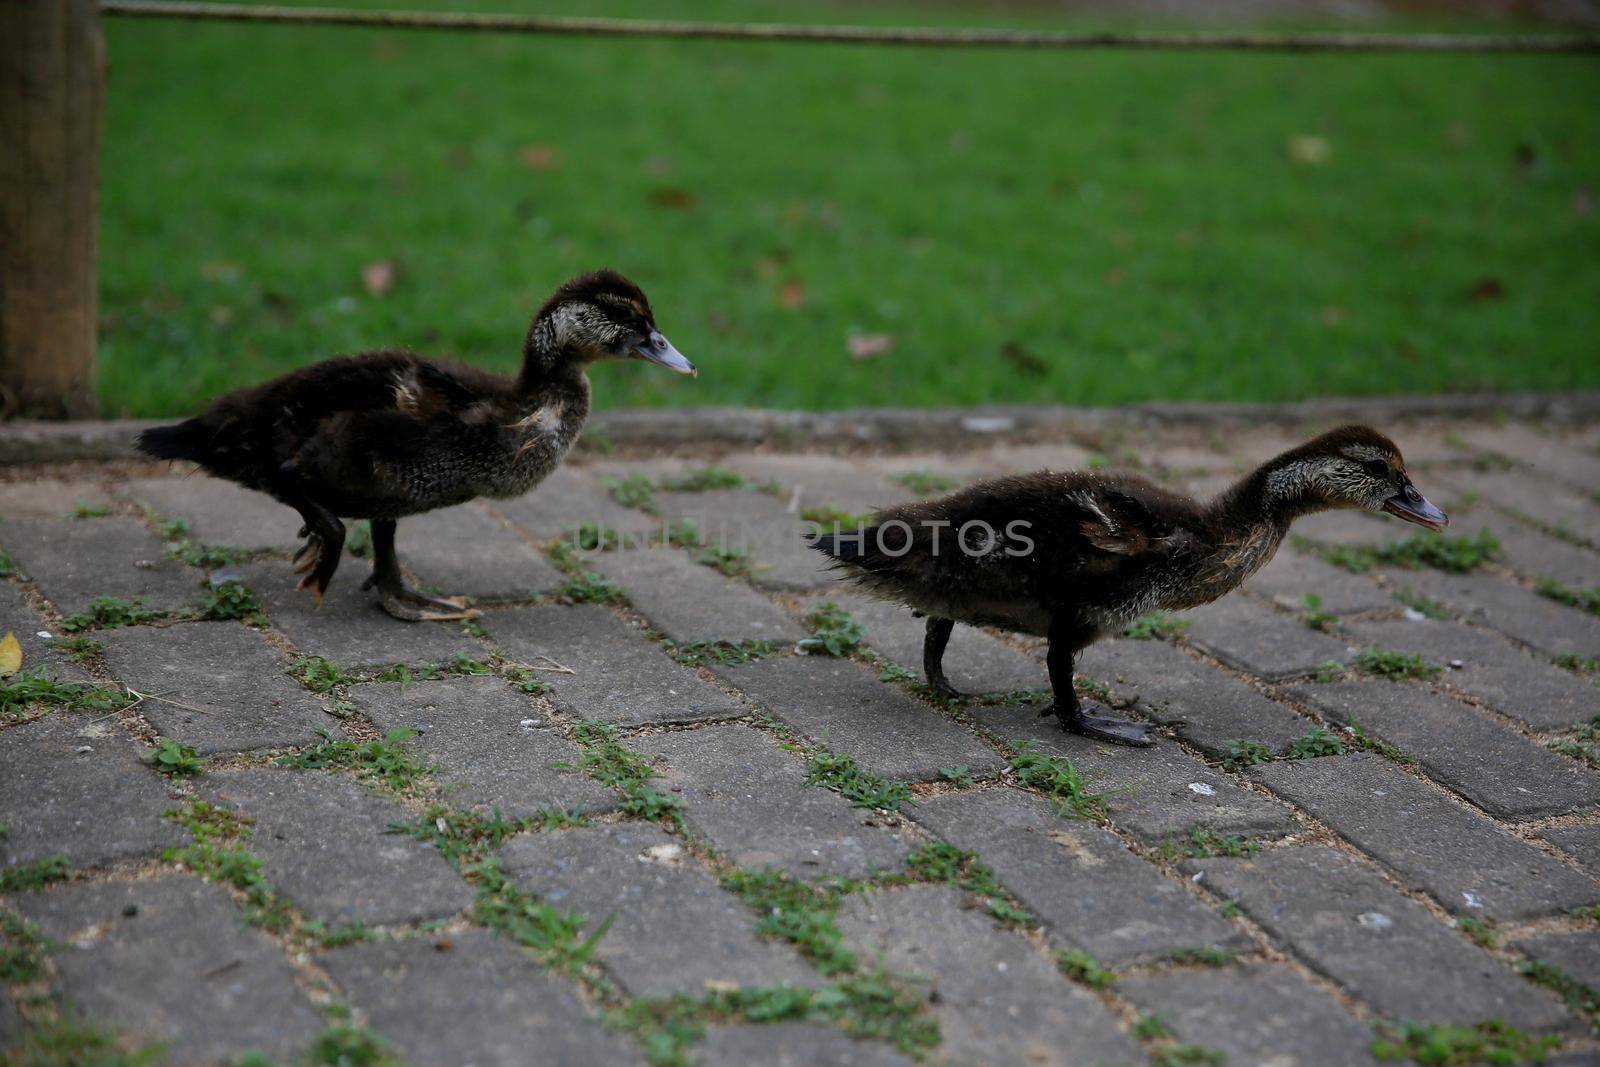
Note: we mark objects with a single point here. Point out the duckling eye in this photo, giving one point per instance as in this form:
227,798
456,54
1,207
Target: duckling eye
1377,468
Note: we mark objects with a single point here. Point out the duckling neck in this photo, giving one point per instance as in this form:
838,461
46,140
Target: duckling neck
547,363
1272,496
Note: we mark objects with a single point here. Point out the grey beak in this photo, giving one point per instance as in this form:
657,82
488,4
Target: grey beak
1412,506
657,349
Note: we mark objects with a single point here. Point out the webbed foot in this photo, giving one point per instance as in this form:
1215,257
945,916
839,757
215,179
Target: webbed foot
1104,728
943,689
410,605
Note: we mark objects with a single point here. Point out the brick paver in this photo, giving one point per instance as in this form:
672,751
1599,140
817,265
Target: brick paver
1465,861
1351,905
749,798
167,960
844,708
999,1001
493,749
1496,768
215,686
675,930
72,785
471,998
1091,892
1262,1013
326,844
601,668
1340,917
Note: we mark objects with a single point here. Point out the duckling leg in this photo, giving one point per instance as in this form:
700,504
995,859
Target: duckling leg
398,598
1067,707
318,558
933,644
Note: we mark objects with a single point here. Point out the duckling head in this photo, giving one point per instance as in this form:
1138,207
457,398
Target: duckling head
1352,467
601,315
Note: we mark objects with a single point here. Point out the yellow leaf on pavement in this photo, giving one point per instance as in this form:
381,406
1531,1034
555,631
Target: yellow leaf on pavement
10,655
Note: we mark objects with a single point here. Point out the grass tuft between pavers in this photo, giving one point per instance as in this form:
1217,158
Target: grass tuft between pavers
1442,552
32,689
22,949
66,1041
1582,998
875,1005
36,875
608,762
110,613
389,759
1204,843
1157,626
841,773
1491,1041
1056,778
1081,967
1583,599
834,631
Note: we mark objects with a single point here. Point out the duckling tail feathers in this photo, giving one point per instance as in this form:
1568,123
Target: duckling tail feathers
185,440
854,549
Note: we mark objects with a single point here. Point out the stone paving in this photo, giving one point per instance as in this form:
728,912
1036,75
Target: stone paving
632,815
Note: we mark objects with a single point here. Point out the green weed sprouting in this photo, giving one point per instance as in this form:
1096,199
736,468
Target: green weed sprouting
1490,1041
109,613
1422,605
1204,843
1057,778
702,480
172,759
464,837
721,653
206,557
21,949
924,482
8,567
554,936
1442,552
1242,753
35,875
834,632
1383,663
1315,743
841,773
799,913
33,689
829,517
588,587
1482,933
344,1045
231,599
1157,626
82,509
942,863
388,759
68,1041
1084,969
1583,743
608,762
1203,955
1583,599
634,491
320,675
1313,616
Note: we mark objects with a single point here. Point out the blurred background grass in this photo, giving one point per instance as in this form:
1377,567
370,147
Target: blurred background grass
1017,227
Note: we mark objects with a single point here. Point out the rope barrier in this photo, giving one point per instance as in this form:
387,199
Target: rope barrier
926,37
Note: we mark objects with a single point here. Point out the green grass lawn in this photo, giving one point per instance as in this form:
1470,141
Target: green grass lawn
1030,227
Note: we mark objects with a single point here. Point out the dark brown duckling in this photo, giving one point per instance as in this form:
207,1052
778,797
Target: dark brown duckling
387,434
1076,556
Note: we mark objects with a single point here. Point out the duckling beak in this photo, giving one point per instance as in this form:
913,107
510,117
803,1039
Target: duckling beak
1412,506
657,349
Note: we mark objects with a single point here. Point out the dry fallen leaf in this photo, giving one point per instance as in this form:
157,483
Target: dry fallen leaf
1309,150
1026,362
378,278
10,655
870,345
539,157
792,294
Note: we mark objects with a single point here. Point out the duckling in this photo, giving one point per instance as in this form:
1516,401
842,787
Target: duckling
1076,556
387,434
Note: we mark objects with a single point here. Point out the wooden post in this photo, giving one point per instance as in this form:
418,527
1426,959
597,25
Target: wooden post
52,85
